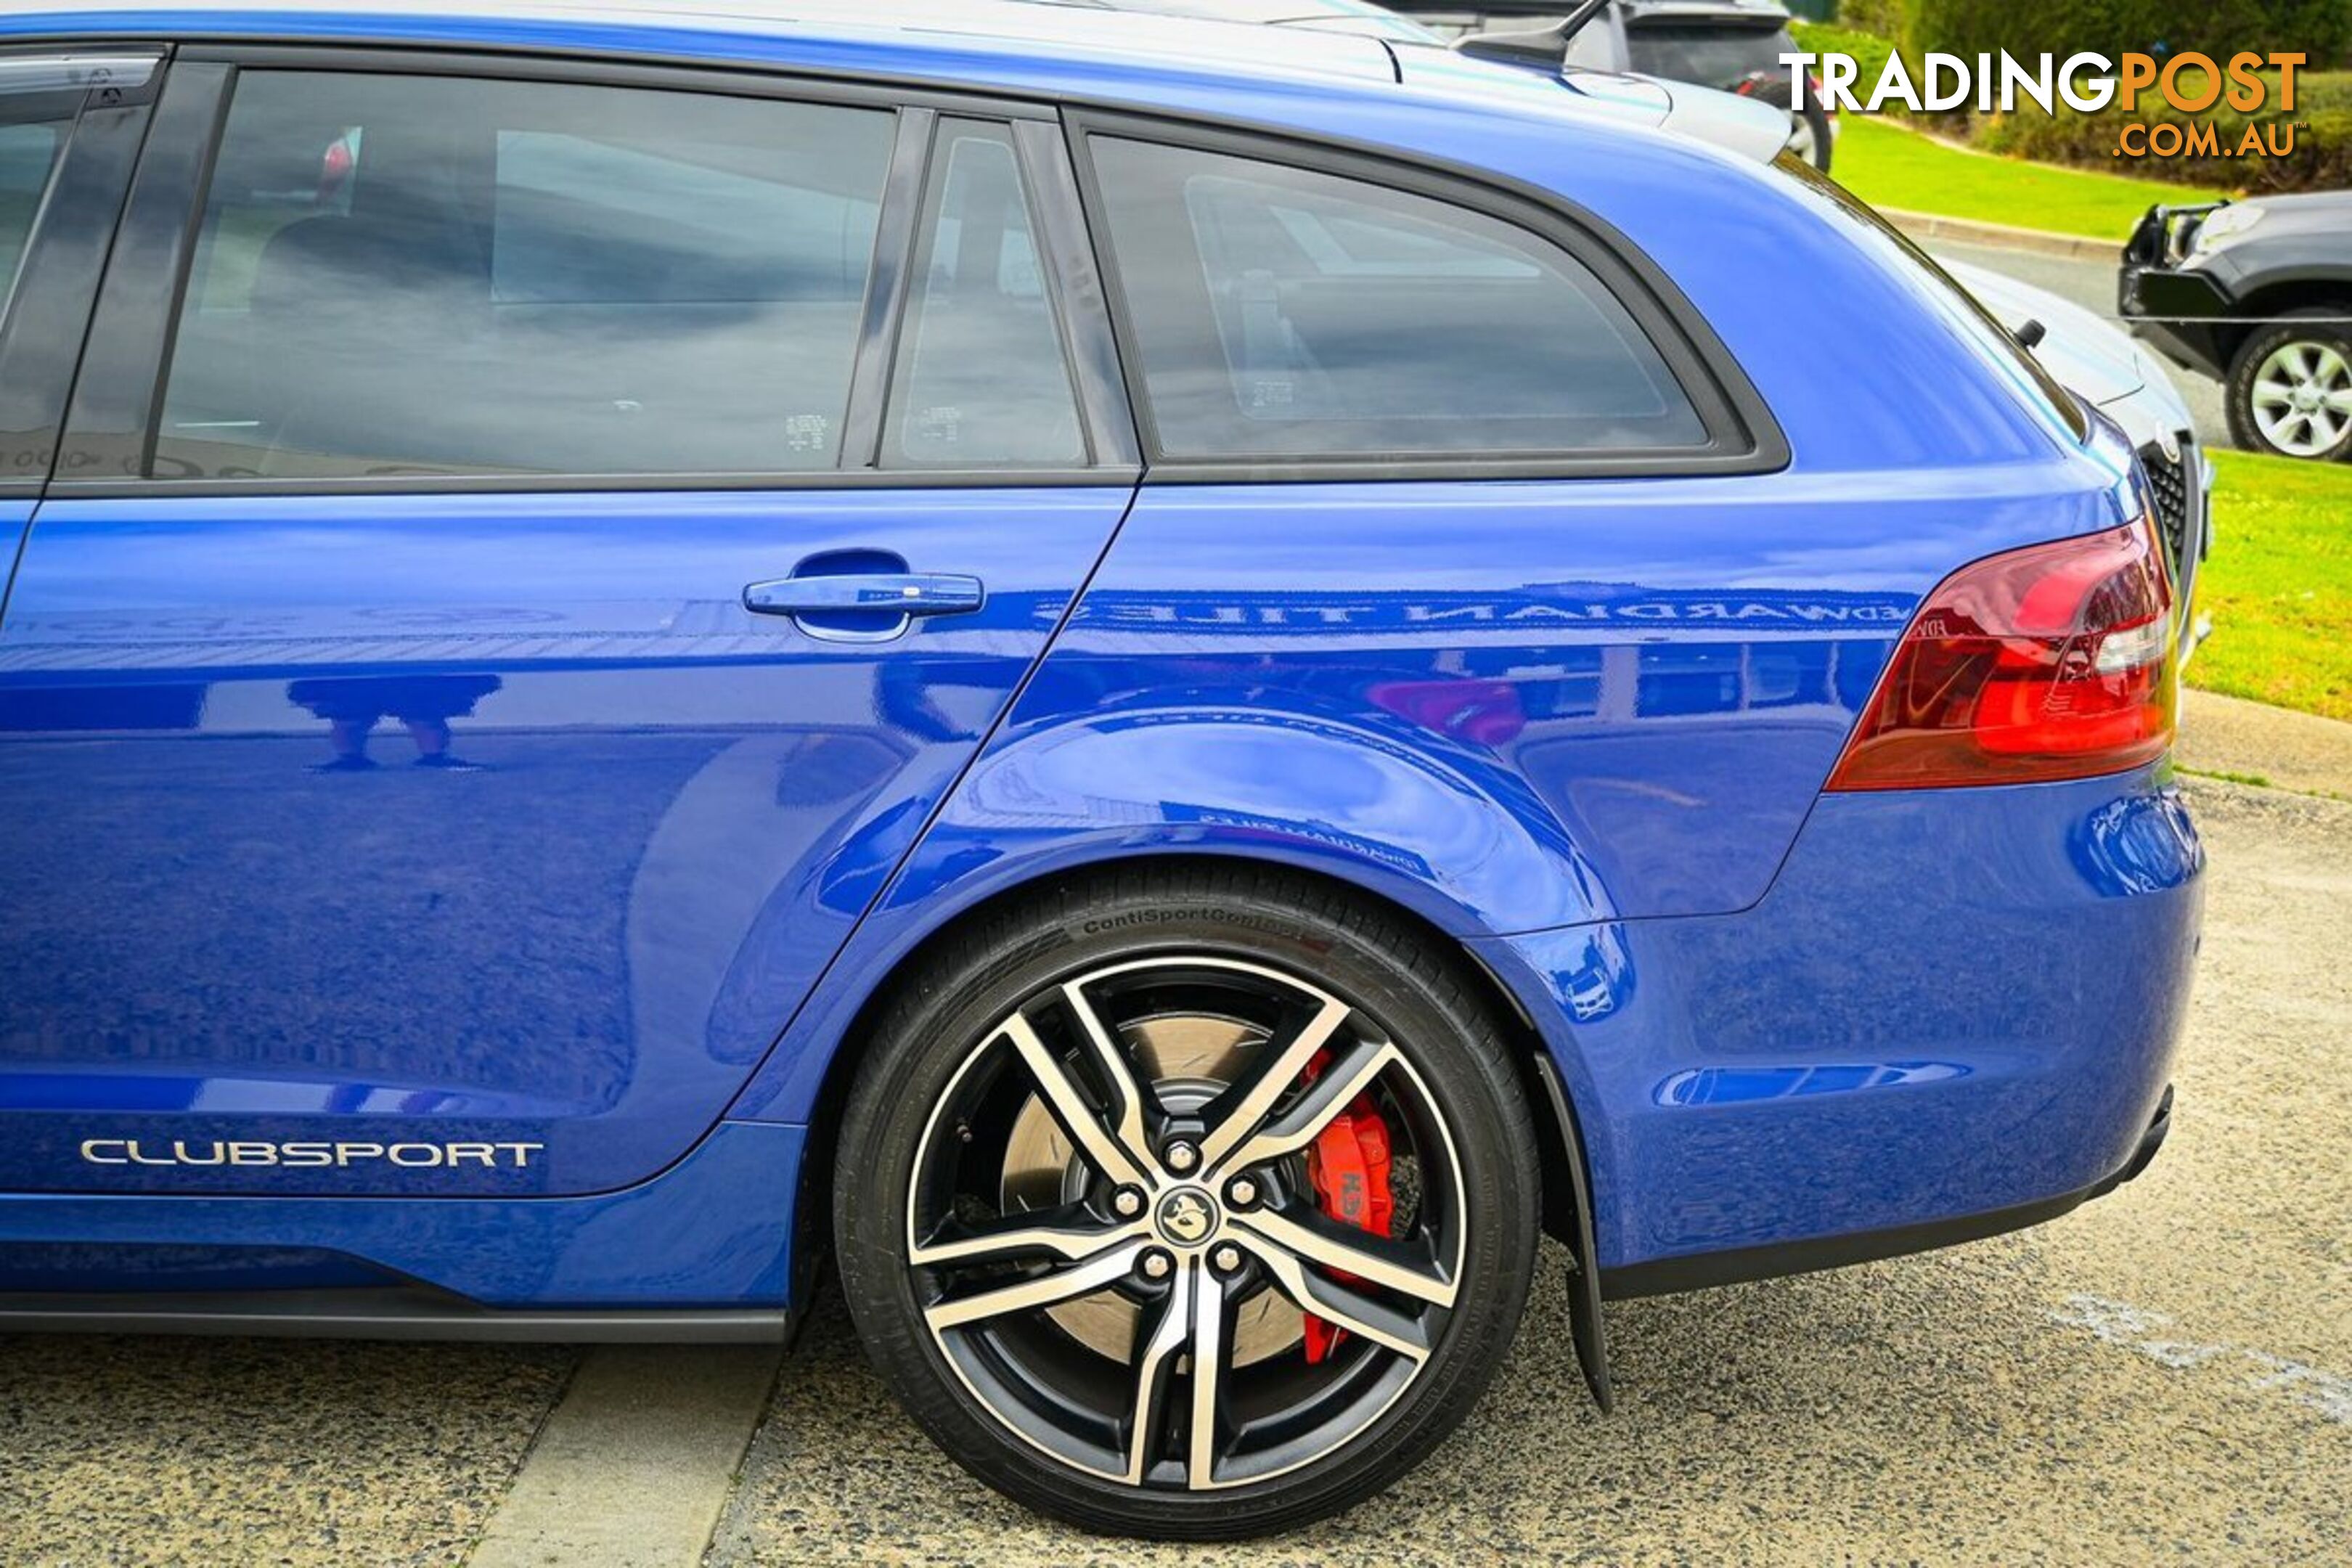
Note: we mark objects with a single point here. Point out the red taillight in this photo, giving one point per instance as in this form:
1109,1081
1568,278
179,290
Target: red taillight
2050,662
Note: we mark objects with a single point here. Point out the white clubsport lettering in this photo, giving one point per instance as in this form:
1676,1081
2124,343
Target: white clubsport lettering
310,1156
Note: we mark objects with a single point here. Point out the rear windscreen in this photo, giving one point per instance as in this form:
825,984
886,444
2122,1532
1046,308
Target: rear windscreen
1712,55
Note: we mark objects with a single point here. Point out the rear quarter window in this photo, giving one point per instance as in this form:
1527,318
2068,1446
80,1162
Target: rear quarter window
1287,312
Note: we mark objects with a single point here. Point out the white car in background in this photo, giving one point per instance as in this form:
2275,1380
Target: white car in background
2103,365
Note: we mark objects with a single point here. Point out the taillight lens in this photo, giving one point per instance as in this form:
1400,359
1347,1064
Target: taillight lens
2050,662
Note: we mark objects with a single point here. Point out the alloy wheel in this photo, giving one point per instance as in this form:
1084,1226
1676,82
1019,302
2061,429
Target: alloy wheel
2301,398
1122,1243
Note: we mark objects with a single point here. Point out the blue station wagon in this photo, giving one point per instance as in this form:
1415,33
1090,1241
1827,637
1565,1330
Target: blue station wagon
1164,687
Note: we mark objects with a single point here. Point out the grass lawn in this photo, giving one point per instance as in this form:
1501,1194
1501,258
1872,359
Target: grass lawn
1890,167
2279,585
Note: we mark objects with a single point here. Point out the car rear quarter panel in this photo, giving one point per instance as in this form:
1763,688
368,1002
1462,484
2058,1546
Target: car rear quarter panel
1952,1001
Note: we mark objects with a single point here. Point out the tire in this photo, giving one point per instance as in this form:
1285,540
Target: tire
2290,387
1809,137
1201,978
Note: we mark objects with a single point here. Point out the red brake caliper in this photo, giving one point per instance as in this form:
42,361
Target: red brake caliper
1349,1163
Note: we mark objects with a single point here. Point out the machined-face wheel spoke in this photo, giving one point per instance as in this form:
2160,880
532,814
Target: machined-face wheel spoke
1336,1303
1046,1290
1334,1090
1126,1111
1208,1344
1155,1369
1069,1234
1070,1106
1374,1259
1278,1072
1132,1313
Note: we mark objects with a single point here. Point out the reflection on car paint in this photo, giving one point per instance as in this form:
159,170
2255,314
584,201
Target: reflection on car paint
1732,1086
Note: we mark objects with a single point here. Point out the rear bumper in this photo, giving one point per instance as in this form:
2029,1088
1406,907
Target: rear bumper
1696,1272
1954,1013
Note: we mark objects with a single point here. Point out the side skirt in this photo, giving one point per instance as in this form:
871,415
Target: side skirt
378,1313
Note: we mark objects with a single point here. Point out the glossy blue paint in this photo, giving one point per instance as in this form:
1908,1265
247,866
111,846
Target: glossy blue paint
712,1231
1951,1001
1581,725
14,516
1507,706
682,809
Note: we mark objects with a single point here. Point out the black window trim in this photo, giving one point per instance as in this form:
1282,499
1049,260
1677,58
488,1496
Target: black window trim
108,446
1072,296
46,307
1743,436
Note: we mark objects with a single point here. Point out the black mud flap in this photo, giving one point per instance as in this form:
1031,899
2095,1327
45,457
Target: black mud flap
1584,1322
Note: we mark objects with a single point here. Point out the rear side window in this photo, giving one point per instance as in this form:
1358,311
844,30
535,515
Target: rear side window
422,275
1710,55
981,379
1283,312
28,154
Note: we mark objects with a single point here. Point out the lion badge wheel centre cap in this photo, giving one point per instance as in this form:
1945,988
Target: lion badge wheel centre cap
1186,1217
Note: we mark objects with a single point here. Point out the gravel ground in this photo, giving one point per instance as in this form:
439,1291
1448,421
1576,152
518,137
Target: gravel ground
2167,1373
213,1453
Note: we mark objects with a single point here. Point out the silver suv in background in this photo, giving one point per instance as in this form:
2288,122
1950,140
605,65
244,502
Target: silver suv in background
1734,46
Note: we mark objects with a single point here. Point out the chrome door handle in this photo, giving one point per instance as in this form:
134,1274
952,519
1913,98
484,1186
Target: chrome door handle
865,606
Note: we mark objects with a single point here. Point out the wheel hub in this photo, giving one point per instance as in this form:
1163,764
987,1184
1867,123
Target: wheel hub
1186,1217
1190,1058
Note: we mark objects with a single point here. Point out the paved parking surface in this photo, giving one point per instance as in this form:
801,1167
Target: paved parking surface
2164,1374
215,1452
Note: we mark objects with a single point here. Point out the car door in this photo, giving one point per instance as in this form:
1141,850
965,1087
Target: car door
491,637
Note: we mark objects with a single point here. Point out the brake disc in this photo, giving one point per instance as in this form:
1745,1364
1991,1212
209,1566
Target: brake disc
1189,1059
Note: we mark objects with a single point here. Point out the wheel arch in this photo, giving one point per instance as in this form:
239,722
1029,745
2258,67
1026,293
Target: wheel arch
2280,294
1565,1198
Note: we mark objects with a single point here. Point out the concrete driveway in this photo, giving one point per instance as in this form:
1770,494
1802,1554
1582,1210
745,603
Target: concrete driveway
2166,1374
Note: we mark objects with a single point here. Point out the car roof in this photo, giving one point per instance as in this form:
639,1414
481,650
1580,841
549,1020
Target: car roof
1074,35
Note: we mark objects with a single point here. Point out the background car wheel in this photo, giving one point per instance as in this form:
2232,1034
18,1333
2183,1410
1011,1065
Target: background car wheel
1809,135
2290,388
1193,1203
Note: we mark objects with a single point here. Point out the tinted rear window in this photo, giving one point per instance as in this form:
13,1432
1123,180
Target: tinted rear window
1712,55
423,275
29,153
1287,312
